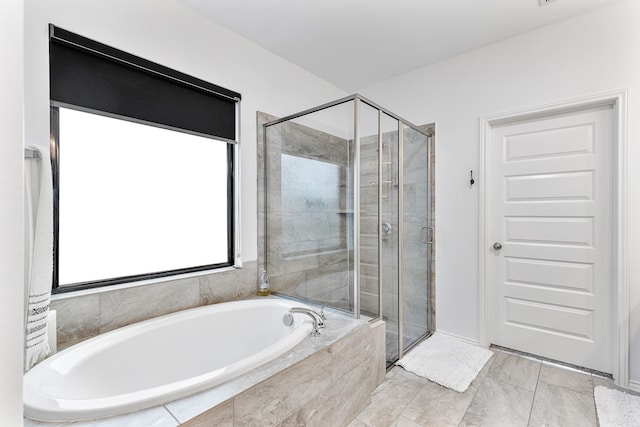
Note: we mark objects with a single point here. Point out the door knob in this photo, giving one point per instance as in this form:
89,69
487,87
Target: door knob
497,246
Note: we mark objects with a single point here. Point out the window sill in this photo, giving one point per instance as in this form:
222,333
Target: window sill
102,289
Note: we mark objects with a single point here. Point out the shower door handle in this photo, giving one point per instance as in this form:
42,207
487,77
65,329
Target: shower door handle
423,239
386,228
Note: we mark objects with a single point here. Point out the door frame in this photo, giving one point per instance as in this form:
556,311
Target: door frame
621,256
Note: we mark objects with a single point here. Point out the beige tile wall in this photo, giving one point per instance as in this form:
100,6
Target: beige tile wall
86,316
308,255
329,388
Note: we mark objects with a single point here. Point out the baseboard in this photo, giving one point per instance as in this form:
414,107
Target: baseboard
634,386
458,337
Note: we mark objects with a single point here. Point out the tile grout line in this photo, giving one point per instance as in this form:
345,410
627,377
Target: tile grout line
593,396
409,402
171,414
568,388
404,407
534,394
471,401
492,359
424,386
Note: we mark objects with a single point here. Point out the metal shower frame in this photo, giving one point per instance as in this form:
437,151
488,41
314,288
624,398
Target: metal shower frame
358,101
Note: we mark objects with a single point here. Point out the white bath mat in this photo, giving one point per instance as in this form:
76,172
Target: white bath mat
447,361
616,408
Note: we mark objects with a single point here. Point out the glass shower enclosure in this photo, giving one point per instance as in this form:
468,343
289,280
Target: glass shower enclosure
345,215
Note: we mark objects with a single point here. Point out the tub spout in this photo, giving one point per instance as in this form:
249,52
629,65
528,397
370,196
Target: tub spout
318,321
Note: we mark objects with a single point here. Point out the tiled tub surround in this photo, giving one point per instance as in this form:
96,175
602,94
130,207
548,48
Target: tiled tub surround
83,315
133,368
326,380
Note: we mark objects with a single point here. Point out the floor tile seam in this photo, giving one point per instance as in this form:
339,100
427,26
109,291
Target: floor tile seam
470,402
406,405
518,386
171,414
410,420
418,380
564,388
496,375
595,407
492,359
590,394
535,392
359,419
423,387
477,387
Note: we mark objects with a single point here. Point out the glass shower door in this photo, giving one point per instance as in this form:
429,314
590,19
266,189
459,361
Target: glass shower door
417,237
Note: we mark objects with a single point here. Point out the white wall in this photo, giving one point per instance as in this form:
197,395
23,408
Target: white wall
589,54
167,32
11,220
163,31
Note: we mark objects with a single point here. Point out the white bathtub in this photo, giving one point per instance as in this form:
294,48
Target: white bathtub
160,360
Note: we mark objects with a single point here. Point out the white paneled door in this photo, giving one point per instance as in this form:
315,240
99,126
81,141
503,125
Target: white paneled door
551,224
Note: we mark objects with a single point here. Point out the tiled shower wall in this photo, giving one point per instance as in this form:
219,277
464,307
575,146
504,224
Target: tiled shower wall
288,279
416,216
309,217
369,213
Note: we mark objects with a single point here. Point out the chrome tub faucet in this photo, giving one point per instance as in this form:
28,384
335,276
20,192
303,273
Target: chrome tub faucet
318,319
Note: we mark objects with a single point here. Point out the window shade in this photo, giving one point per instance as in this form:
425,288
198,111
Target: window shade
92,75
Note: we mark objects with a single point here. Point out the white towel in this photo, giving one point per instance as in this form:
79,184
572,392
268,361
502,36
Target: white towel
40,280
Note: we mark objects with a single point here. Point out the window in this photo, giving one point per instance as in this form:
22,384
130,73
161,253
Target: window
311,194
143,181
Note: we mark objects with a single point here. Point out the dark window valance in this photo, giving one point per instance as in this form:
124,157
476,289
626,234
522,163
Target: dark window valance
91,75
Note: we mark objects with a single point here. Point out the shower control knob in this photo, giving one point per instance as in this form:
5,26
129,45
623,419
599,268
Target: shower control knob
497,246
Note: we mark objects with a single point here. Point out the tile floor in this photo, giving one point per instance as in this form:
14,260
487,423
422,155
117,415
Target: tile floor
511,390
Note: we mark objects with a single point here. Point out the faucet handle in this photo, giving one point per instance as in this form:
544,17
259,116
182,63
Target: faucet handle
322,315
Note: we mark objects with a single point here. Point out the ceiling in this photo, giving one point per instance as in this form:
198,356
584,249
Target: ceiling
357,43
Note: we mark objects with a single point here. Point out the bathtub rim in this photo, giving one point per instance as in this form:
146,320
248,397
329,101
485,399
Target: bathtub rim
190,387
